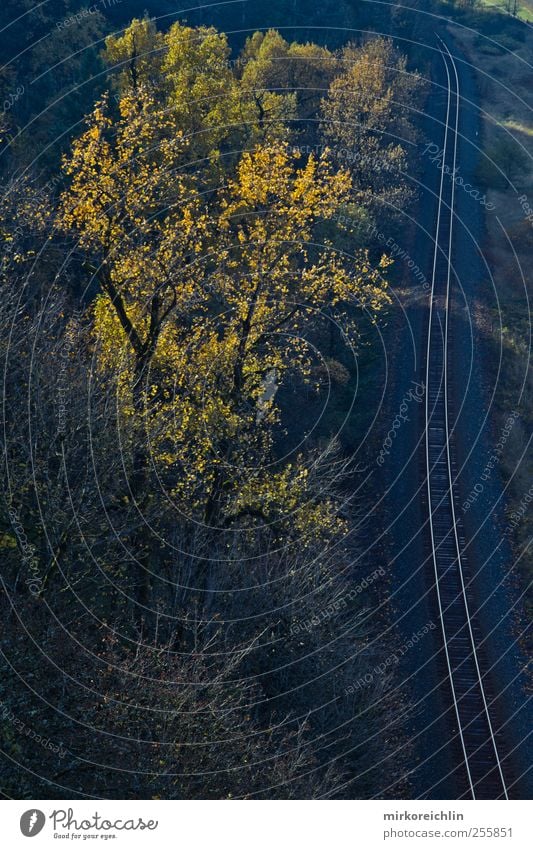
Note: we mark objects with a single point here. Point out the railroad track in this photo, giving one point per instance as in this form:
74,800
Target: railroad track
472,721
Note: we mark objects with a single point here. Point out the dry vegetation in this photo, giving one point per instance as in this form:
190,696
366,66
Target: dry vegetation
503,64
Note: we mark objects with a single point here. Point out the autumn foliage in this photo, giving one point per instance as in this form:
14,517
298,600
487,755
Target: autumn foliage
192,272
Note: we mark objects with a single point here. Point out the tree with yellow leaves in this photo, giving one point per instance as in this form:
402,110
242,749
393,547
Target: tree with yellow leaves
268,287
136,56
203,297
139,222
193,75
183,509
270,65
368,113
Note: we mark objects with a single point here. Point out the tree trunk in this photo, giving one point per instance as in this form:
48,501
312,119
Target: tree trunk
139,486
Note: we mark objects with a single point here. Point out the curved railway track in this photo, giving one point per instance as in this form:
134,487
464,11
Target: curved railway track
473,724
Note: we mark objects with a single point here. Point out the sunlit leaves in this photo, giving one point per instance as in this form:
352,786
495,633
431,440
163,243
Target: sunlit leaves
203,297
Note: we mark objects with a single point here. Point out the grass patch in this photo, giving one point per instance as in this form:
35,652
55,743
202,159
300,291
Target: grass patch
525,8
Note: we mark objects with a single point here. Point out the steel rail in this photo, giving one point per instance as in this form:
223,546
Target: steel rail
444,502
